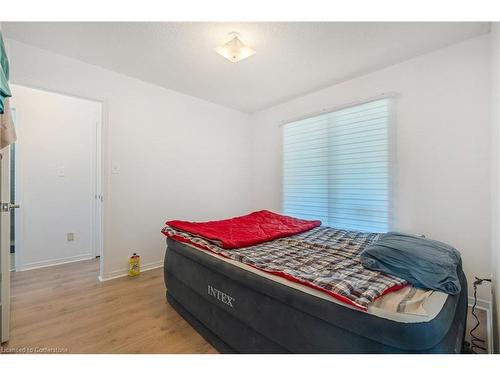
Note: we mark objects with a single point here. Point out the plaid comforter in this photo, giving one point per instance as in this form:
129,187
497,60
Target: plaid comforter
323,258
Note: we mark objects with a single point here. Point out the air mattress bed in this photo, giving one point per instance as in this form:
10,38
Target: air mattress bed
239,310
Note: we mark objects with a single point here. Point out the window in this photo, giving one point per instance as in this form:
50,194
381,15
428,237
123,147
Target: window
336,167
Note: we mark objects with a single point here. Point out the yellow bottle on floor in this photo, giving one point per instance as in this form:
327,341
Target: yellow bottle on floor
134,267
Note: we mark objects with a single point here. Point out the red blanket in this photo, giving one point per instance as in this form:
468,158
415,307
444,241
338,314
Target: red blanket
248,230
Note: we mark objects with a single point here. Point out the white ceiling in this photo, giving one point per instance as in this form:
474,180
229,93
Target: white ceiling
292,58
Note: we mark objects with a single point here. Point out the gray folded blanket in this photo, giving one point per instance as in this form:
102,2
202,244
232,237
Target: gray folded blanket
422,262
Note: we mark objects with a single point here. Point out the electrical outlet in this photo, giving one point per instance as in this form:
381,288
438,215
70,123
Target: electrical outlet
70,236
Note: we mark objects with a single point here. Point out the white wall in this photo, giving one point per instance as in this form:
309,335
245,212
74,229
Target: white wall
179,157
443,153
495,173
55,180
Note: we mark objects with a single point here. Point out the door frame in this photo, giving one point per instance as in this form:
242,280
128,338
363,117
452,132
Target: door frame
97,206
100,182
5,246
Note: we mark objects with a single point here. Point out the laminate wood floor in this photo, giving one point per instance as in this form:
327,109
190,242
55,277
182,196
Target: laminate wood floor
67,309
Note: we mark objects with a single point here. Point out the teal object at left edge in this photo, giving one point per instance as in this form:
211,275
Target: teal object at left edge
4,75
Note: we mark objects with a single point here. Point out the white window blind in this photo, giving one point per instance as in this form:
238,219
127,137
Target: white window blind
336,167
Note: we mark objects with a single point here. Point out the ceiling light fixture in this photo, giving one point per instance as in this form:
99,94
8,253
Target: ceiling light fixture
234,49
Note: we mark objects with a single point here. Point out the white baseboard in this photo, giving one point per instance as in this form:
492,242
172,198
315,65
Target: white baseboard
481,303
486,306
53,262
122,273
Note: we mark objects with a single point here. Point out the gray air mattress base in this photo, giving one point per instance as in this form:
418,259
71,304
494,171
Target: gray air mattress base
238,311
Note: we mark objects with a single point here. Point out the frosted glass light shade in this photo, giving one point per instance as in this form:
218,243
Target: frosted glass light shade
234,50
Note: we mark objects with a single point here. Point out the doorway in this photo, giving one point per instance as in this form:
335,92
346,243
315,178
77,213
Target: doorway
55,174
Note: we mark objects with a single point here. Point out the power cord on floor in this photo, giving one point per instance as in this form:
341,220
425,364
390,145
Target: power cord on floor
475,342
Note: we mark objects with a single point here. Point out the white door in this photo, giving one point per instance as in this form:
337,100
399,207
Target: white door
5,208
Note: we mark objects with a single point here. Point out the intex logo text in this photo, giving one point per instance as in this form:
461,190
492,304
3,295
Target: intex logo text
221,296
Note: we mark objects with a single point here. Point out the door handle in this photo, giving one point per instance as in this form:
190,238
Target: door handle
7,207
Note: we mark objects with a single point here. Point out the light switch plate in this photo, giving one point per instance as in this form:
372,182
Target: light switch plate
115,168
61,172
70,236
